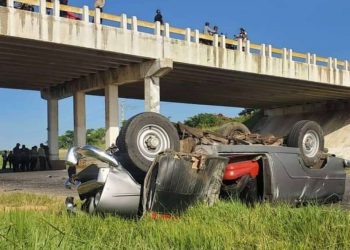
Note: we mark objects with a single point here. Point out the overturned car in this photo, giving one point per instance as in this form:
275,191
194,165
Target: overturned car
145,172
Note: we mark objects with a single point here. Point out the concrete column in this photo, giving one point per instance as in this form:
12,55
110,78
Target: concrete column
240,45
157,29
247,47
152,94
291,64
86,16
269,66
216,40
134,24
10,3
223,52
97,16
124,22
188,35
346,74
112,114
42,7
284,62
336,71
223,42
330,70
269,51
314,69
56,8
308,59
79,119
52,128
263,59
196,36
248,57
167,30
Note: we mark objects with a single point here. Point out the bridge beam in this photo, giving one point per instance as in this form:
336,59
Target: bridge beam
122,75
52,128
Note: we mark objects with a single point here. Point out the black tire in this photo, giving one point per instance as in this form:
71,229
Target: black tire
312,149
137,158
249,194
232,128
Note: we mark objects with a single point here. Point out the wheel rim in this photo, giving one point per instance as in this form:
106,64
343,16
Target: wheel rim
311,143
151,140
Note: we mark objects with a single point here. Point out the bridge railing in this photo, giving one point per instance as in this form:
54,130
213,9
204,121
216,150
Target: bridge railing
178,33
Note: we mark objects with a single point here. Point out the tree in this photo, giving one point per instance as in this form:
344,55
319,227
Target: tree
206,120
95,137
66,140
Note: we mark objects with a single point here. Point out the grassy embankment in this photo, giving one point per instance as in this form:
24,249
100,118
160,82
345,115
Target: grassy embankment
39,222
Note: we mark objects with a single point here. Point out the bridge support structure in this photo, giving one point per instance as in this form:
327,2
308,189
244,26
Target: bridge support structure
149,72
112,113
333,117
79,119
52,129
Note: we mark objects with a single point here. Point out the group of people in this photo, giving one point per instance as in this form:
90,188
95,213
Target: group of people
22,158
243,34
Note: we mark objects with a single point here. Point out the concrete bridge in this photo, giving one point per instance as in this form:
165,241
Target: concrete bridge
137,59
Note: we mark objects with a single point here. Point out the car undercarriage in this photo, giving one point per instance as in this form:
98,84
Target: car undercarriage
160,167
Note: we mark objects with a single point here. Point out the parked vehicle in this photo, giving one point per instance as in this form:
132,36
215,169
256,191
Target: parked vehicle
145,172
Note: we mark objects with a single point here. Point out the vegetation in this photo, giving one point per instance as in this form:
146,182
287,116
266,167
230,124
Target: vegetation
95,137
207,121
40,222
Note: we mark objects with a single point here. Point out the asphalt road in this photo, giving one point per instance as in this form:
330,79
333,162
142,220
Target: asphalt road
41,182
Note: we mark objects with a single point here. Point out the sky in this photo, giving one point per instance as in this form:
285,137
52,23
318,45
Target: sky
315,26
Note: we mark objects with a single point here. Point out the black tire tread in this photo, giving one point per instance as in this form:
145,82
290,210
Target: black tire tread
226,129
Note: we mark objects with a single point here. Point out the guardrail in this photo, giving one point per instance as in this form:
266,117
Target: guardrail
188,34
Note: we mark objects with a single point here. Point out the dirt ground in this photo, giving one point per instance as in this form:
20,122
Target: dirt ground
42,182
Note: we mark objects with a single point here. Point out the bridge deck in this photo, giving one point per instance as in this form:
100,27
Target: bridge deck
39,52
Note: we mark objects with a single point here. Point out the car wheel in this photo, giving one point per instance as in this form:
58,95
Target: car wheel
233,128
309,138
142,138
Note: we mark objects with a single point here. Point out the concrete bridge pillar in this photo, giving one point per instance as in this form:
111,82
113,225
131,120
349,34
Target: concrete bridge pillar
52,129
152,94
112,113
79,119
151,73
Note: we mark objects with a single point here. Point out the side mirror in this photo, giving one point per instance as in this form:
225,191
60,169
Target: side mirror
72,157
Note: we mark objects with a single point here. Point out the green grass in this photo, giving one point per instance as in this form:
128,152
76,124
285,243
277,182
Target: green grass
227,225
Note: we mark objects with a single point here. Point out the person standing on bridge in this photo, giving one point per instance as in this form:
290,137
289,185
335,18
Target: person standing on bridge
99,4
207,31
158,17
243,34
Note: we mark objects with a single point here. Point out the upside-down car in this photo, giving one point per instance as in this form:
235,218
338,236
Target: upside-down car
146,172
